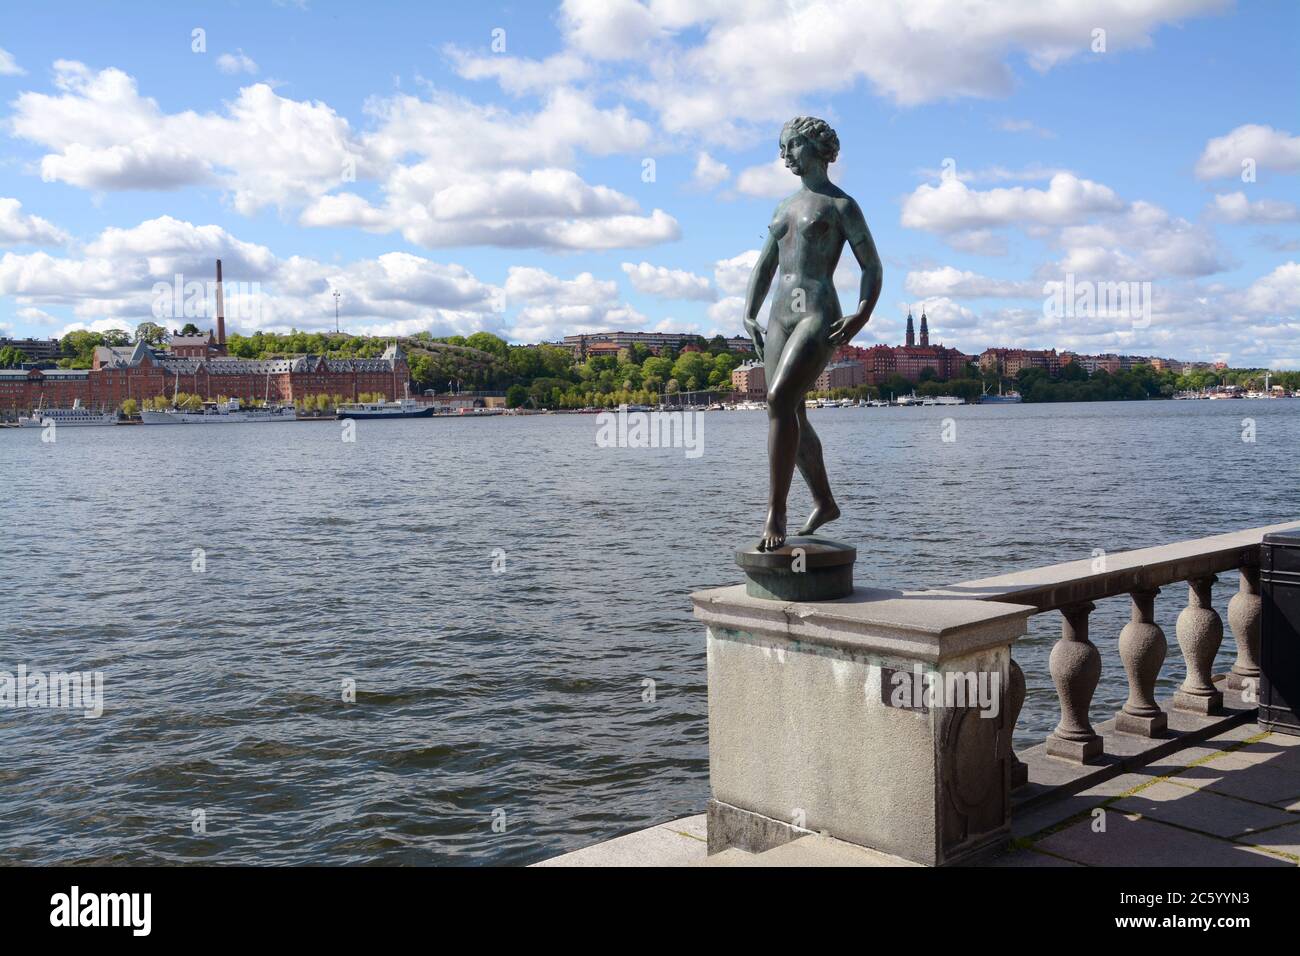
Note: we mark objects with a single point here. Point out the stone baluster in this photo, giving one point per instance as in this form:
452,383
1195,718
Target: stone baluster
1244,612
1015,701
1075,665
1142,648
1200,632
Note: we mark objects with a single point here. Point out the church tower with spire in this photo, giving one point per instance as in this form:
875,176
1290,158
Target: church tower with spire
925,331
911,332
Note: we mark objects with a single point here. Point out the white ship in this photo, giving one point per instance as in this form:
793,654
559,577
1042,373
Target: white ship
76,415
218,413
403,408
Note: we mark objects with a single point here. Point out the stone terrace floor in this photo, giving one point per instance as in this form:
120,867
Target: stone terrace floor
1232,801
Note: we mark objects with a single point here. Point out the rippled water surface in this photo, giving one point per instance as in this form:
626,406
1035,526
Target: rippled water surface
516,696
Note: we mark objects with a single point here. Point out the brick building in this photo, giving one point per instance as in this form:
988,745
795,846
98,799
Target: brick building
1112,363
909,360
598,349
1009,362
750,382
139,372
841,375
195,346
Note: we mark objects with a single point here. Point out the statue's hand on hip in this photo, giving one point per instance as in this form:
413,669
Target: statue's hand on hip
756,336
846,327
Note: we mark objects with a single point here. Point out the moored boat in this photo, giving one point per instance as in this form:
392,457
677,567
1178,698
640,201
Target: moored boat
77,415
1001,398
218,413
405,408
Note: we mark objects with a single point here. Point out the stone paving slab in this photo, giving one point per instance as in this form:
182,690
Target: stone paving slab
1026,823
1280,840
1249,781
1202,810
1133,841
1188,804
679,843
1030,857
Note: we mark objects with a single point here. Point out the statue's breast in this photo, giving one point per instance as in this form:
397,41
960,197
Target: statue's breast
816,220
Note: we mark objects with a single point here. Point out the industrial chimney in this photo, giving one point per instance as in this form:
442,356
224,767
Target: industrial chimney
221,313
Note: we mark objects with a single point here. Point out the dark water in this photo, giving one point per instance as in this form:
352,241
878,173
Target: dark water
514,696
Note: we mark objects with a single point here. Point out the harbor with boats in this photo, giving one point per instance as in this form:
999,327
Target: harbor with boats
1221,392
233,411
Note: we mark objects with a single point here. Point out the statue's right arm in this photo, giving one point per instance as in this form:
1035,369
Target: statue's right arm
760,280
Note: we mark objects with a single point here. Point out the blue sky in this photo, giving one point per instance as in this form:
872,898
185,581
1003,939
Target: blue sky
389,151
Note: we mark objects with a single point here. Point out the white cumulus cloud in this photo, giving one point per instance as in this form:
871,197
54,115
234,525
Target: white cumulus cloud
8,65
235,63
19,228
1269,148
709,172
952,205
1235,207
949,281
668,283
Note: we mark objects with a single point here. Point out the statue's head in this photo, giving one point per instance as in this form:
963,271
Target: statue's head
806,140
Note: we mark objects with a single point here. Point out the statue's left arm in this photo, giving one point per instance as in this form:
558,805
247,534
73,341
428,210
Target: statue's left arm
859,239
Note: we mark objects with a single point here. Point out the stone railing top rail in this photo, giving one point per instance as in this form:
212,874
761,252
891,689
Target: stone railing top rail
1092,579
921,626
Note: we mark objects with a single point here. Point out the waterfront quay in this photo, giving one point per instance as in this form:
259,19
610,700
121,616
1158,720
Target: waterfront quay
1215,804
121,373
816,760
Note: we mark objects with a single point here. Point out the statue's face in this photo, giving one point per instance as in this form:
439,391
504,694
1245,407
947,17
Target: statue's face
798,152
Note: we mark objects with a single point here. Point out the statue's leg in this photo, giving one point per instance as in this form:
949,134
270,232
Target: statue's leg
796,368
813,469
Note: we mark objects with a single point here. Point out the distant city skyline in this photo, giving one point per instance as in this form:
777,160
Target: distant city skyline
40,349
1086,177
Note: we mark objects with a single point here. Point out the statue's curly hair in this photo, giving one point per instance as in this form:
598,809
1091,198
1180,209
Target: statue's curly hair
819,132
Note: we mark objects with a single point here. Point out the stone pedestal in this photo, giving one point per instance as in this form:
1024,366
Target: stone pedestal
820,720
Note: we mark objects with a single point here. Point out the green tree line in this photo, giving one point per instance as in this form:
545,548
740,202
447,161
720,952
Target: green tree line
550,376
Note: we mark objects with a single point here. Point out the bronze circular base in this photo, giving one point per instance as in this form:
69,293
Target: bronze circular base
807,568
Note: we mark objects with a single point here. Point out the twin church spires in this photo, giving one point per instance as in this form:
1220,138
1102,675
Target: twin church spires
911,333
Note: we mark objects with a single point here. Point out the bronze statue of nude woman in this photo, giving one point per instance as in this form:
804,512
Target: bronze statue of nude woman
803,246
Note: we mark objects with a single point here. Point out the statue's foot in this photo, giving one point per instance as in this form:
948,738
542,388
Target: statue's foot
773,532
821,514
